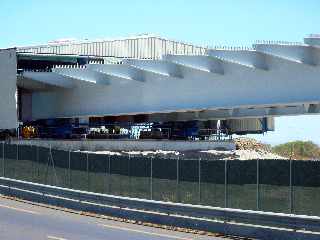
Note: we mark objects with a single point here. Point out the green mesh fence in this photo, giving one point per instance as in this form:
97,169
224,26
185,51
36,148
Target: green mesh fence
242,184
79,175
213,183
268,185
58,171
306,187
164,179
274,179
119,177
24,165
2,160
10,160
42,165
189,187
98,173
140,177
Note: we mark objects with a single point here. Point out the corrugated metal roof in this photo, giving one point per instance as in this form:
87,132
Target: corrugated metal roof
141,47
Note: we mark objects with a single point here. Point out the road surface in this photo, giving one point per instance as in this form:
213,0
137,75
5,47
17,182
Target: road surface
21,220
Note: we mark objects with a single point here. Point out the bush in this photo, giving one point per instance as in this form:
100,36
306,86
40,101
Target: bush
298,150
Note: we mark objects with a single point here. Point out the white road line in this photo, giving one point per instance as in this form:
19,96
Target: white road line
56,238
145,232
19,209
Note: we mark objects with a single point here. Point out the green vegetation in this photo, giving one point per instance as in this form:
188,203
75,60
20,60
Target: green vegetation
300,150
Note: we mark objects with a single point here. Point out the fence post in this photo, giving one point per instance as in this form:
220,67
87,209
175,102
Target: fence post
199,179
105,179
258,185
3,161
69,168
109,175
129,176
38,162
88,176
151,178
32,163
54,168
177,187
226,183
291,187
17,158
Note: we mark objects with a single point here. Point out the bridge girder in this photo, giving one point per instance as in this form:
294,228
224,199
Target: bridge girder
268,80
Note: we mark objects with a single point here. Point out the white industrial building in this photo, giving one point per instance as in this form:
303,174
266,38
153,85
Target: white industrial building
160,80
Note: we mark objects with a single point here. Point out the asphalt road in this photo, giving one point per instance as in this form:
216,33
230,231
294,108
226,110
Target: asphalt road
24,221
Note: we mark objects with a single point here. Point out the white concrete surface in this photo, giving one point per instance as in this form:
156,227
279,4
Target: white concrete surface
8,83
128,145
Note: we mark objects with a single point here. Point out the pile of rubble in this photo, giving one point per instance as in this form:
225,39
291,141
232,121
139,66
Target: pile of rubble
241,155
246,149
249,148
243,143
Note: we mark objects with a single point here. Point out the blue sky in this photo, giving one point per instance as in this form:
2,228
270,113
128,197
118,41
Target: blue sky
202,22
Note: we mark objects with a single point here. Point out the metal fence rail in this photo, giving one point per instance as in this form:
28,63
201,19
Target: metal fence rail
283,186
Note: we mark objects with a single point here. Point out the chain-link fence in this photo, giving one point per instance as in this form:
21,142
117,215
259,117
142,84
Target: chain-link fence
288,186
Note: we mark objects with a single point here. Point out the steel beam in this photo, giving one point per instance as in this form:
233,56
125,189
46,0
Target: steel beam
197,63
161,67
303,53
250,58
122,71
82,76
46,78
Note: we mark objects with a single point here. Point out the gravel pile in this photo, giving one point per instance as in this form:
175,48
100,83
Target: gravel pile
246,149
243,143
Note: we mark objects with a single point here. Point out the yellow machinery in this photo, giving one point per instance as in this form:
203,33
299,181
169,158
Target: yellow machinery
29,132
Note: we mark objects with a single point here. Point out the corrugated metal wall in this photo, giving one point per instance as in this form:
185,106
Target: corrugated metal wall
140,47
254,125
